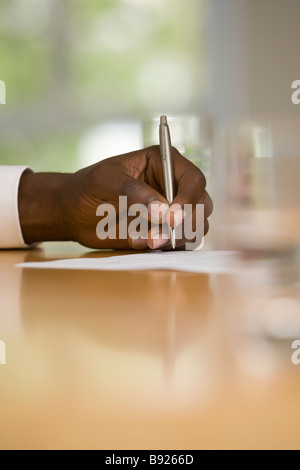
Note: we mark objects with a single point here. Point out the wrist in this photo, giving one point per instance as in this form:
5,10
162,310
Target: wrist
40,207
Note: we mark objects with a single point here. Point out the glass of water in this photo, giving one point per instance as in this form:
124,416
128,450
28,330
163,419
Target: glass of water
262,190
258,203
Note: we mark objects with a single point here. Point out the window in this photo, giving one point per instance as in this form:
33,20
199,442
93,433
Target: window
69,65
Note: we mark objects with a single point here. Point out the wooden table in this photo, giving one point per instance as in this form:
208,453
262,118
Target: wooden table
140,360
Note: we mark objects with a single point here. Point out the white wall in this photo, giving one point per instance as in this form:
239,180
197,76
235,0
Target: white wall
254,50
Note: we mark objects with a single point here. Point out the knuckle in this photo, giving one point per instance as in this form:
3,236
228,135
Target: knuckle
153,151
127,187
206,227
198,178
153,155
175,151
209,205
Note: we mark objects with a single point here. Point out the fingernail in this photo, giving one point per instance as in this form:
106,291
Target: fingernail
157,211
159,243
138,243
178,218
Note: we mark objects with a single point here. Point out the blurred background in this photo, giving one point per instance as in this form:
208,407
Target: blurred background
199,360
82,76
87,80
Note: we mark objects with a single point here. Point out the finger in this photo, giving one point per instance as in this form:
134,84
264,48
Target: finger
137,243
177,215
208,205
139,192
195,223
159,237
206,201
190,187
181,244
189,181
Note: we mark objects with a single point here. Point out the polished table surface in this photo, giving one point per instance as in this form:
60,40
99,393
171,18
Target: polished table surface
142,360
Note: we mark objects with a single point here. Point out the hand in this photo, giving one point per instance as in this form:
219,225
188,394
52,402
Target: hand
57,207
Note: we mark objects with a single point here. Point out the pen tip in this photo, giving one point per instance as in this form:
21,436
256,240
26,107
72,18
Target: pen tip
173,239
163,119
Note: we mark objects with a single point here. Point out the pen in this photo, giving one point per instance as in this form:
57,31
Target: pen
167,166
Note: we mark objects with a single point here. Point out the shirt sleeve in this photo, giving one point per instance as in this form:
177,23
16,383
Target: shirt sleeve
10,228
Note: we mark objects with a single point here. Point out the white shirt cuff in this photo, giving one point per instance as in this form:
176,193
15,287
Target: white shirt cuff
10,229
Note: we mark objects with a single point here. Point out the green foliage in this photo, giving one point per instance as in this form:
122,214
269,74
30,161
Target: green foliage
52,152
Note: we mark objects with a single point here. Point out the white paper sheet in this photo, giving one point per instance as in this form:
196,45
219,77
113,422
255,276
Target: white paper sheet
191,261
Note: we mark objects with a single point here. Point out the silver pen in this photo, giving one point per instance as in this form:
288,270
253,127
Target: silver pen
167,166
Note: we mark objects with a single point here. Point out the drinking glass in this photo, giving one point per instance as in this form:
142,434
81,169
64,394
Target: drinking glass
261,205
259,215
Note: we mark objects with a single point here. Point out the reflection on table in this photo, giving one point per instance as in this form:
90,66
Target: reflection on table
146,359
